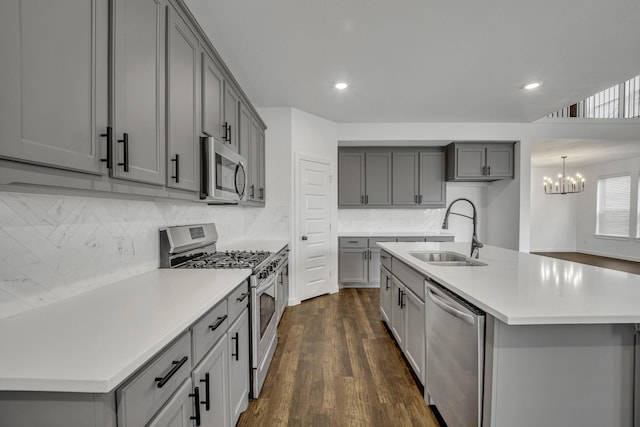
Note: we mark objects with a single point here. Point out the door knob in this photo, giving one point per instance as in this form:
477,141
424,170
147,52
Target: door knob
304,237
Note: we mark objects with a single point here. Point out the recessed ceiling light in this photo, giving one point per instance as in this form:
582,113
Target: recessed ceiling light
532,85
341,85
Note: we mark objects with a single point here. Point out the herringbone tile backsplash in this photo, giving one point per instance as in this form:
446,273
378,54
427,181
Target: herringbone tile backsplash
54,247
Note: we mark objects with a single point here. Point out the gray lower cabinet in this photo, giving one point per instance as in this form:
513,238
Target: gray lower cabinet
353,265
53,107
179,410
138,107
402,307
212,379
183,130
386,294
239,365
212,102
374,265
479,161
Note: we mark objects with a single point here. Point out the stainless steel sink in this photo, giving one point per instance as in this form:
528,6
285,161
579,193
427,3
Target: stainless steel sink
446,259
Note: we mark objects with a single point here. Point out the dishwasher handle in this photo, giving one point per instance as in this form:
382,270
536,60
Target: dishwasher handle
444,305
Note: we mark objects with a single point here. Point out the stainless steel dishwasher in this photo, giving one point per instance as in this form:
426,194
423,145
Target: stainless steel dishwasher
455,356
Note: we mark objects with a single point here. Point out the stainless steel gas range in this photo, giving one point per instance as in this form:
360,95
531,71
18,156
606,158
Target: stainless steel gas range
194,246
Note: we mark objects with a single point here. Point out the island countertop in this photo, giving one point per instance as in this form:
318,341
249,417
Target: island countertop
523,289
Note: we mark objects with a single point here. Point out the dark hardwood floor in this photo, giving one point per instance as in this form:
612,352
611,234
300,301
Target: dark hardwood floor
598,261
336,365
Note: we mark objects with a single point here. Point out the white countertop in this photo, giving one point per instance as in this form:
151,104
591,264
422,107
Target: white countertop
255,245
413,233
523,289
92,342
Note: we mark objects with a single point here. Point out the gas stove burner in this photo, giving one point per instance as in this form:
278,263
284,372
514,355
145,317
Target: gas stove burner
229,259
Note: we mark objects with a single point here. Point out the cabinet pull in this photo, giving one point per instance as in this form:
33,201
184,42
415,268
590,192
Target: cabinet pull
362,200
484,170
229,134
366,199
387,283
402,294
109,136
207,393
399,296
204,169
219,322
177,175
261,193
252,187
488,170
225,126
196,401
237,353
125,151
420,199
352,241
415,199
242,297
177,364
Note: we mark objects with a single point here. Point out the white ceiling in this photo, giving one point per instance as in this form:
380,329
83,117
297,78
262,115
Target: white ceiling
579,152
424,60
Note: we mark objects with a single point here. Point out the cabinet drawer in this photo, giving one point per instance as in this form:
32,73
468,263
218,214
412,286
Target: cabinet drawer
238,301
208,330
385,260
409,277
352,242
374,240
439,238
142,396
411,239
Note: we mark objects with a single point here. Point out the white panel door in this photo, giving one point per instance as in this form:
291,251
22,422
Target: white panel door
314,220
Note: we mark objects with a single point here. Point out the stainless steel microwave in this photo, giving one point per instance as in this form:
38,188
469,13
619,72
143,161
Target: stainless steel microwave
223,173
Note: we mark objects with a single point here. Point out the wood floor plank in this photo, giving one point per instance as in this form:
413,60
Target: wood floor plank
595,260
336,365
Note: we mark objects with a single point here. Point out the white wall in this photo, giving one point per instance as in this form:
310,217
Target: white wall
586,240
553,217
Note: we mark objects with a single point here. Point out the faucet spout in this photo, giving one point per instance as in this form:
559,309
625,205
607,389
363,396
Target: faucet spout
475,243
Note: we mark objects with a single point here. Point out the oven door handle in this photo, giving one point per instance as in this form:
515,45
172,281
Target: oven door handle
267,283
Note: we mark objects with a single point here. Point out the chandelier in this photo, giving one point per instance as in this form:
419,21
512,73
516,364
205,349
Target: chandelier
564,184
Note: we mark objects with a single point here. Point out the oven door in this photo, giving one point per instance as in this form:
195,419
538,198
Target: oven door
265,315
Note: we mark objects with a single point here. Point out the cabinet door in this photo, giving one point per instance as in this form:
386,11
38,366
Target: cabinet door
350,179
254,161
211,376
378,179
500,161
212,97
177,412
53,90
470,161
231,111
385,295
374,265
139,91
432,183
182,104
353,266
405,178
238,342
244,136
397,311
414,327
261,167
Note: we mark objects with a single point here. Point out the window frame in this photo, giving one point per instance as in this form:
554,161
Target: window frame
628,234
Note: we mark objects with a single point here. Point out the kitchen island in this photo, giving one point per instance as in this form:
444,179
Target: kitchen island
558,338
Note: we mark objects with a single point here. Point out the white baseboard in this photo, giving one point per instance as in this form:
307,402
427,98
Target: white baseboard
360,285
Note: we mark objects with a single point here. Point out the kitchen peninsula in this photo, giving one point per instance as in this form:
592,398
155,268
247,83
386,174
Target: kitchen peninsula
558,337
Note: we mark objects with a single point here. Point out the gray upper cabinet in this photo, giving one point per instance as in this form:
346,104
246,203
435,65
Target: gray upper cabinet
261,166
138,106
231,111
54,83
479,161
432,184
182,104
251,146
254,162
378,179
351,179
395,177
405,178
212,97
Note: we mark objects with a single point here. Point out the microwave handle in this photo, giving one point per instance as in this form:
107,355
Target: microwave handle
204,168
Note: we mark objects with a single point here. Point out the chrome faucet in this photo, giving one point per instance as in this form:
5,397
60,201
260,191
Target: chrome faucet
475,243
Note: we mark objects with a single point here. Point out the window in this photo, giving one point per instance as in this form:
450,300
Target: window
614,202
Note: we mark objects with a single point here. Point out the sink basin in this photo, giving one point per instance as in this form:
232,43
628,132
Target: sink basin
446,259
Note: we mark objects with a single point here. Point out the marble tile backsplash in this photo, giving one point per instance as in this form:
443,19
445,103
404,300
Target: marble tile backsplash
54,247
